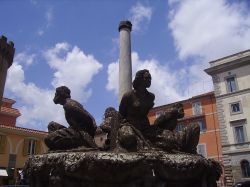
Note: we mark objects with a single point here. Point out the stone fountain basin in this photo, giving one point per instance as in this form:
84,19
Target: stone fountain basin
117,167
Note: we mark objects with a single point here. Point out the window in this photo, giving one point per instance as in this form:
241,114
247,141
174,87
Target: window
12,161
158,113
196,108
202,149
235,108
245,168
202,125
3,142
179,127
31,147
239,134
231,84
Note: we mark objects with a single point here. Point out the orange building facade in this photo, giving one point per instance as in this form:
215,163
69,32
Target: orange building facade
16,143
199,109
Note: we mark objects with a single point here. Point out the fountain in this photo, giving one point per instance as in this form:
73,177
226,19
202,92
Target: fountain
135,154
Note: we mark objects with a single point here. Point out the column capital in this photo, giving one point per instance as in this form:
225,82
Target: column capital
125,24
7,50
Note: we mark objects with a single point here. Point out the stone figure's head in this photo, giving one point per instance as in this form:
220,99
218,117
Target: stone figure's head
62,93
109,112
142,79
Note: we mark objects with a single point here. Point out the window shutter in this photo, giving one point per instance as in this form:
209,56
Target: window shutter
37,147
25,147
3,141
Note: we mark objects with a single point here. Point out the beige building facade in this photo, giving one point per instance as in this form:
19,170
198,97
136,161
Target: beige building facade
231,79
16,143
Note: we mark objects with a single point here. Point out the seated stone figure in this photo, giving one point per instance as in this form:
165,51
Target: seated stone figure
81,128
170,140
133,109
137,134
107,125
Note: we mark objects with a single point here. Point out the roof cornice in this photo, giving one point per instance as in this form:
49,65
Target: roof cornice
228,63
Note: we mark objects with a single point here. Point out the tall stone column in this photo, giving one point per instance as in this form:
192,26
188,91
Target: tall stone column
7,52
125,65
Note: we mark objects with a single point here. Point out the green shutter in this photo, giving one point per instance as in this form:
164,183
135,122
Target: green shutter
3,141
37,147
25,147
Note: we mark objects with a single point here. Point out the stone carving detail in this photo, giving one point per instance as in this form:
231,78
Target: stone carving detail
170,140
81,128
136,134
135,154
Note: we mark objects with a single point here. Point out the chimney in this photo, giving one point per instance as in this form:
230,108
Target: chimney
125,64
7,51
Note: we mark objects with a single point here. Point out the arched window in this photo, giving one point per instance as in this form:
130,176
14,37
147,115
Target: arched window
245,168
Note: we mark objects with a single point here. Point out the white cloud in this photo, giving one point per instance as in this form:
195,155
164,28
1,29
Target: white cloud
163,80
37,107
205,30
24,58
140,16
49,16
40,32
209,28
72,68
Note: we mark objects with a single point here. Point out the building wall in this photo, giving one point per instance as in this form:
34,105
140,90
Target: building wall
15,145
8,114
14,141
234,152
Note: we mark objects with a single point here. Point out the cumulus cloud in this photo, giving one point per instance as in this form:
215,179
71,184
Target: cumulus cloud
36,105
206,30
71,68
24,58
140,16
163,81
209,28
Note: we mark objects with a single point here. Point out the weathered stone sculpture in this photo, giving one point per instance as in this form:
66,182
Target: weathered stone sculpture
170,140
136,153
134,108
107,126
81,128
136,134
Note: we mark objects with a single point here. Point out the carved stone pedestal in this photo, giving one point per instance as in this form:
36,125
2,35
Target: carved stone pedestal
106,169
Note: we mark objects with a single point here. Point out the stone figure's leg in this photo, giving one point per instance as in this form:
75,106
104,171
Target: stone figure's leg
53,126
63,139
127,138
191,138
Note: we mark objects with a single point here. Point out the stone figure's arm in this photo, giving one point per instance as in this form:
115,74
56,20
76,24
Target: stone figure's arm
124,106
76,114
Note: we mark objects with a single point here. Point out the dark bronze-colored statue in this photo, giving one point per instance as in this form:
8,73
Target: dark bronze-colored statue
135,154
169,140
136,133
81,128
108,126
134,108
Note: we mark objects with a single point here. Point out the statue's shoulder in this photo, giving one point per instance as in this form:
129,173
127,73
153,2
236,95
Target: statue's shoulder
151,95
128,95
70,104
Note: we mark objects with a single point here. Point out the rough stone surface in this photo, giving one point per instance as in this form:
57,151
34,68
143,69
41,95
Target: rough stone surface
7,52
112,169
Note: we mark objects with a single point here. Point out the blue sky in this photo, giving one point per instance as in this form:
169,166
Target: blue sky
76,43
